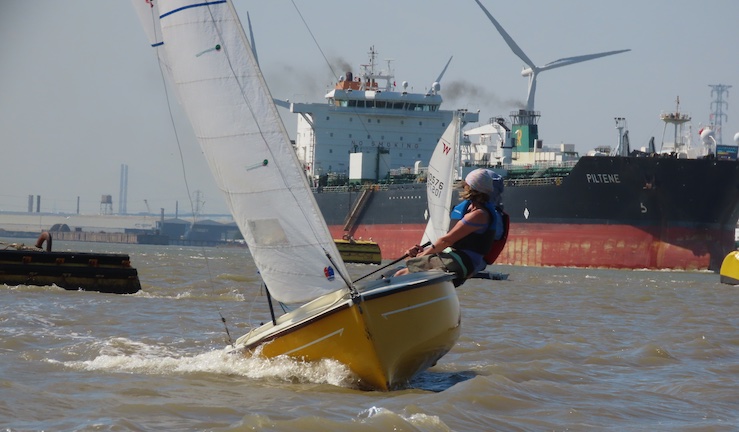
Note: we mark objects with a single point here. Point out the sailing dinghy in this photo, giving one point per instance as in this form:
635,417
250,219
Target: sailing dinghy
385,331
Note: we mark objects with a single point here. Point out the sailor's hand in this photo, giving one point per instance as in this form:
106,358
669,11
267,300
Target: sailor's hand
415,250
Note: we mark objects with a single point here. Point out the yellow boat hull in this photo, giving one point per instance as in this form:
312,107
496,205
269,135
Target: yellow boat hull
395,329
730,269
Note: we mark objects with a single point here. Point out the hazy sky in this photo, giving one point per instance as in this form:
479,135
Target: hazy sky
81,92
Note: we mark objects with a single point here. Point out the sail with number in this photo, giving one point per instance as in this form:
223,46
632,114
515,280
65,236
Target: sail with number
440,182
248,150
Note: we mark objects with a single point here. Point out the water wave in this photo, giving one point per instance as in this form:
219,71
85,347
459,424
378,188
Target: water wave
127,356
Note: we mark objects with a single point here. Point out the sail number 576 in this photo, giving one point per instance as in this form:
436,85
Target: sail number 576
435,186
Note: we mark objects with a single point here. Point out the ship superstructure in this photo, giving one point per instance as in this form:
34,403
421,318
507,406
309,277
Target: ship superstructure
370,126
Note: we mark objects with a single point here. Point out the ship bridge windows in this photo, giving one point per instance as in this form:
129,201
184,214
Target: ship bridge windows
407,106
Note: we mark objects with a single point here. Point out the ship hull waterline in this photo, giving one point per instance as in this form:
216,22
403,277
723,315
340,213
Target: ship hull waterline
397,328
583,245
611,212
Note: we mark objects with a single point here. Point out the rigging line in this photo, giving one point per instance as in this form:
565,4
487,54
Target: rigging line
333,72
347,281
174,129
160,62
248,104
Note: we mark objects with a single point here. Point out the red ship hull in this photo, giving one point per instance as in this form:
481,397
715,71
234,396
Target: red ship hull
610,212
577,245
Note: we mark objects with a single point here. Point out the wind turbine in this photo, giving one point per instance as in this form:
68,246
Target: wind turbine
532,71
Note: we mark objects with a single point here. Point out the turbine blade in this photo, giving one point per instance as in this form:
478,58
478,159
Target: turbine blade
444,70
509,40
532,93
577,59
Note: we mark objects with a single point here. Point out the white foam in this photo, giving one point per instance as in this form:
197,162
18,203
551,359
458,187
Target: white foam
123,355
381,415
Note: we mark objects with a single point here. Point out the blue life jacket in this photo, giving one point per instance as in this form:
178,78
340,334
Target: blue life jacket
495,213
470,251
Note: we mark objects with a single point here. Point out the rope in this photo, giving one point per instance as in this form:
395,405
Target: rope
20,246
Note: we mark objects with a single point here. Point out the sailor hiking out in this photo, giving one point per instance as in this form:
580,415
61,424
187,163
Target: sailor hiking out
477,230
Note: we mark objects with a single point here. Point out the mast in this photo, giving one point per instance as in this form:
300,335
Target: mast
620,126
371,77
677,120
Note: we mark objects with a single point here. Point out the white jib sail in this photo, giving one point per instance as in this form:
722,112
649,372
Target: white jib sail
248,149
440,182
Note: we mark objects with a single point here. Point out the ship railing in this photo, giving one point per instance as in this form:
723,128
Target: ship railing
534,181
541,165
350,188
331,189
537,166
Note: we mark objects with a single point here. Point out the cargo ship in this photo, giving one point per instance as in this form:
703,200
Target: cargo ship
672,207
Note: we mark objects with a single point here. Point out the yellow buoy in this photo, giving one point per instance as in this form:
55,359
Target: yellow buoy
730,269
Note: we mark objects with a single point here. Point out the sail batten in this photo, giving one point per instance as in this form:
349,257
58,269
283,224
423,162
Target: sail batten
247,147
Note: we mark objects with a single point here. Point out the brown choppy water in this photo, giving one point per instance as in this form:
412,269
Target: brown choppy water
548,349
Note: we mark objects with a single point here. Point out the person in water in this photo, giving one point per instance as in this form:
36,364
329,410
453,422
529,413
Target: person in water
476,223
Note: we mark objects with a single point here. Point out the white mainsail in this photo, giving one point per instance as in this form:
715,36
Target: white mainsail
247,147
148,12
440,182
